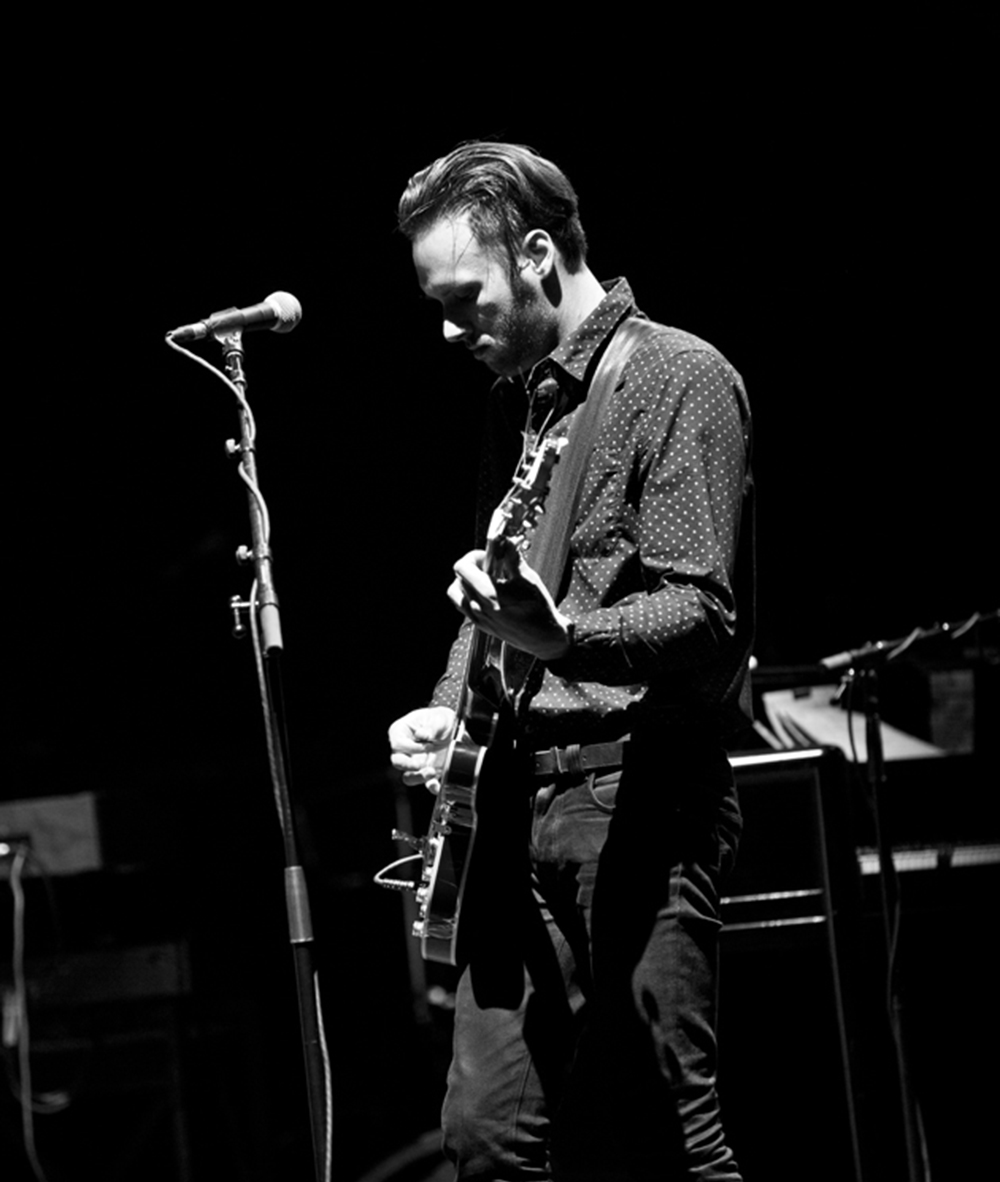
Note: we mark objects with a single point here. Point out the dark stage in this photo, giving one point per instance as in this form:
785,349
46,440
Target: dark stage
838,272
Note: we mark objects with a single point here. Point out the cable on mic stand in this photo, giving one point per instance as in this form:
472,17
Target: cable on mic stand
261,608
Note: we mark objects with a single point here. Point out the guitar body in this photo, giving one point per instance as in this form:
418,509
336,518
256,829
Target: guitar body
459,854
451,837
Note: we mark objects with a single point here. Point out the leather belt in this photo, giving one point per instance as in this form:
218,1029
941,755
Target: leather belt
578,761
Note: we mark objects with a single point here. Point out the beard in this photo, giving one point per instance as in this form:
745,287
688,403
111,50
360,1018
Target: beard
523,333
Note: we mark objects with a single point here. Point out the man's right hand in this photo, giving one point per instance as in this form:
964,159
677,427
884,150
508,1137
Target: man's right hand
418,741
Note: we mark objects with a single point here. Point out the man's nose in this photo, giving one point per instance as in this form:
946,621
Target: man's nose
454,332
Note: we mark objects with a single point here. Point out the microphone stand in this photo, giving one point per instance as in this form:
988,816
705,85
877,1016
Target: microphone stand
865,676
262,608
863,665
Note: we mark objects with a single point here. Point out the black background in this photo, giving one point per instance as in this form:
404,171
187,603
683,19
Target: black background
830,239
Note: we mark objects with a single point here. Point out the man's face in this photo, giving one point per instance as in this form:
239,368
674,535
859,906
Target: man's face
507,326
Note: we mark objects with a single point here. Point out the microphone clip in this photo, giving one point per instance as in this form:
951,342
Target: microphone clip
231,340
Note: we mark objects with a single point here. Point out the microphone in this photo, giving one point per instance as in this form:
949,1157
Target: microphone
852,656
280,312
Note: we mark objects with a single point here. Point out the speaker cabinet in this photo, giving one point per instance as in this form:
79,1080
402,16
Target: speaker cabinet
790,910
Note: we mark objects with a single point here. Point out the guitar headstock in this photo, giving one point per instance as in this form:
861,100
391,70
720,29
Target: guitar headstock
518,512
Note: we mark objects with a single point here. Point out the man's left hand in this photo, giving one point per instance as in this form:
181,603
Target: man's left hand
514,606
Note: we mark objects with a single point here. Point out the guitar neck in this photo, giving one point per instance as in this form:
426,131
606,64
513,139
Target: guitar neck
486,688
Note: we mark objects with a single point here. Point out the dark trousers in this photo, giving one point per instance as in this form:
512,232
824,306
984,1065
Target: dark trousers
585,1024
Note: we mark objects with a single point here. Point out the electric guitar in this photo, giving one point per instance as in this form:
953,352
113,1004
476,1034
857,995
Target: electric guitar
446,851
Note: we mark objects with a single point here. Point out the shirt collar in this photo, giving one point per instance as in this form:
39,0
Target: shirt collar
575,353
565,368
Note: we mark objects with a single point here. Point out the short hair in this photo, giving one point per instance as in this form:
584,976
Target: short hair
506,190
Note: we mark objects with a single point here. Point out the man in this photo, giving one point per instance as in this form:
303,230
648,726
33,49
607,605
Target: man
585,1020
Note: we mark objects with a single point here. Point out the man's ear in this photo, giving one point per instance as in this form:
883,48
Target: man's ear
539,251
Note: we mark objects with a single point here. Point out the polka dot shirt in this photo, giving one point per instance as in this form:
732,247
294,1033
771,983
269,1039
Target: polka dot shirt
660,569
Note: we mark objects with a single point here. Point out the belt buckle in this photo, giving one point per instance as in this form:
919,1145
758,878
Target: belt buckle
568,760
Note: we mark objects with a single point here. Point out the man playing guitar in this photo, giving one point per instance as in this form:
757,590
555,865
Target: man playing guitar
585,1014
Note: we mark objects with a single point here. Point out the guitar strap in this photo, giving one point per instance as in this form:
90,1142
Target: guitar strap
549,547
